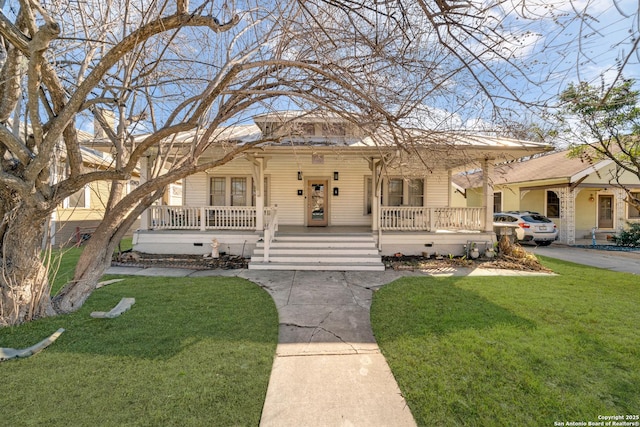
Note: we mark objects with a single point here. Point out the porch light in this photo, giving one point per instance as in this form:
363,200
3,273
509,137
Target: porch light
591,199
335,176
299,176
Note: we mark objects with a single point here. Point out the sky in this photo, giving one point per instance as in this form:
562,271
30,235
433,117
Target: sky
554,48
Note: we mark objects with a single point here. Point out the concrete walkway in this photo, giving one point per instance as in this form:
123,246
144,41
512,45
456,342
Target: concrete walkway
328,369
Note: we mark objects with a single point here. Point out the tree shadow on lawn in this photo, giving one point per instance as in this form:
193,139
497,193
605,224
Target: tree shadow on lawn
168,317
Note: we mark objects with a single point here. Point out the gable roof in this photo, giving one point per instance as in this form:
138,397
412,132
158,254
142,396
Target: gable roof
553,166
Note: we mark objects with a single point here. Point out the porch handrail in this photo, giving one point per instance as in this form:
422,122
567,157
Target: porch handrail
203,217
270,229
175,217
418,218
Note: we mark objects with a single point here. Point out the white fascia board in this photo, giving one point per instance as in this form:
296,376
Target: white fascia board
591,169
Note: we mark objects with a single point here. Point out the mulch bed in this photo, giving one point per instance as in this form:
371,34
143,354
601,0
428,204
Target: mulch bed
192,262
402,262
414,263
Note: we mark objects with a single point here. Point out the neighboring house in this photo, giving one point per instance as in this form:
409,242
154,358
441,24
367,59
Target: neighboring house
327,181
577,195
79,214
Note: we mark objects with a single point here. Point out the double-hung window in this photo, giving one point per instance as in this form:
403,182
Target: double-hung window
218,191
396,192
234,191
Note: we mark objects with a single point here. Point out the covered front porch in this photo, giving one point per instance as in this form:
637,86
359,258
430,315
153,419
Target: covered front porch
400,229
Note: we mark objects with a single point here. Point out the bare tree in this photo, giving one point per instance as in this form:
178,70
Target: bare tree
174,77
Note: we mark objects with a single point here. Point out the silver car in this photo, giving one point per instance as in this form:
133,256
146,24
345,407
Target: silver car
535,227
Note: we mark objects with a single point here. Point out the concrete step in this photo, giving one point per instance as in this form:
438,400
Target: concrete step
324,237
315,267
338,252
318,251
319,244
319,259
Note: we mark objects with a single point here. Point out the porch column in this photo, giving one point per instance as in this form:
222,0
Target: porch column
375,195
619,197
258,176
145,217
567,230
487,190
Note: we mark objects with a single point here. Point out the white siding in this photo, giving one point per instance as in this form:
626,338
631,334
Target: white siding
348,208
195,190
437,189
345,209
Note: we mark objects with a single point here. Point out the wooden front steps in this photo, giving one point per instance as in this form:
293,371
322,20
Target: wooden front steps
336,252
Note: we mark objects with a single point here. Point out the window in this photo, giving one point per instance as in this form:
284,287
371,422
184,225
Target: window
553,205
234,191
238,191
80,199
217,192
334,129
416,192
633,212
497,202
395,192
368,195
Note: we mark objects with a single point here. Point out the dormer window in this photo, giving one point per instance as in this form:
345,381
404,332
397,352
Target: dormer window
334,129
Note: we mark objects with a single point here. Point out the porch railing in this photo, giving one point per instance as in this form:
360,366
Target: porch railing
203,218
392,218
410,218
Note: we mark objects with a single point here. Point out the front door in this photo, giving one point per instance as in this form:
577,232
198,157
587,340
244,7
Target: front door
317,203
605,211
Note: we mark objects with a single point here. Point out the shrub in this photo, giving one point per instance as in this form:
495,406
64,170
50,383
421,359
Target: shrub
629,237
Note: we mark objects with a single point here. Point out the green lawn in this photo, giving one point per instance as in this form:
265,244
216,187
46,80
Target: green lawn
190,352
512,350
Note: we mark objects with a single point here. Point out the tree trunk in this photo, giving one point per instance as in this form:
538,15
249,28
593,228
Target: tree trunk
94,260
24,284
97,254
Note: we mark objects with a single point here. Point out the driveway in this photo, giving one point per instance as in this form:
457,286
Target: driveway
628,262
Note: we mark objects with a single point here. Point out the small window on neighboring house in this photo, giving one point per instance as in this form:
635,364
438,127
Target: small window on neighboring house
634,213
553,205
497,201
80,199
416,192
217,193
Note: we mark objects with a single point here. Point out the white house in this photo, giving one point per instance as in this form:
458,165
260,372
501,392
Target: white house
325,195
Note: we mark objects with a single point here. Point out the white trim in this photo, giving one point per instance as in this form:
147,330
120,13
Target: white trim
591,169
